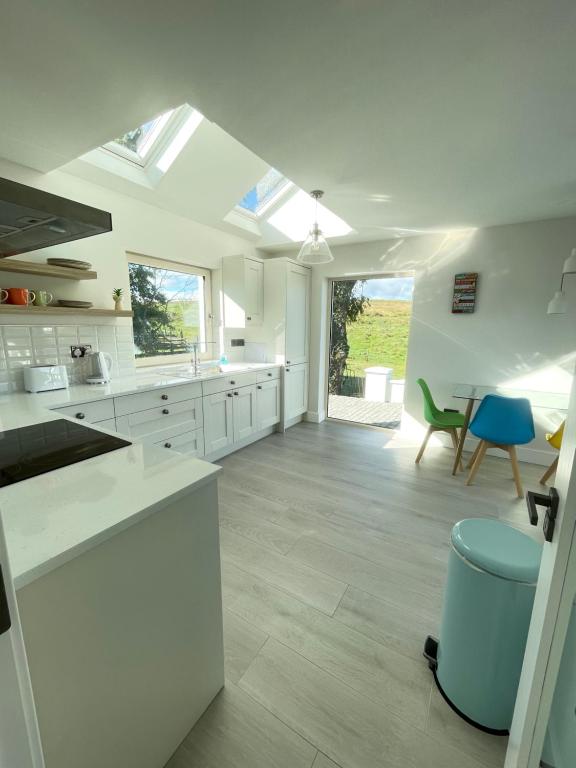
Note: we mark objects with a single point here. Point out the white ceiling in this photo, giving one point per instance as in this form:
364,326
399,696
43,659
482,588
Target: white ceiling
410,114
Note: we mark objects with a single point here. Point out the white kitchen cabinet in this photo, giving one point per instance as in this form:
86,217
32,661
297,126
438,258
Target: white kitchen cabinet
242,291
287,308
244,412
218,421
295,391
268,403
190,442
297,314
186,414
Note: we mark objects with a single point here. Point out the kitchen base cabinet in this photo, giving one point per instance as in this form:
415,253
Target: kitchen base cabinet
191,443
244,416
218,422
268,404
124,641
295,393
165,419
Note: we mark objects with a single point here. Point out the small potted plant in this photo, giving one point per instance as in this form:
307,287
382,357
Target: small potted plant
117,294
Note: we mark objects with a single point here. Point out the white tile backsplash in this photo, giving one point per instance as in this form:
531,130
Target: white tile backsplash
22,345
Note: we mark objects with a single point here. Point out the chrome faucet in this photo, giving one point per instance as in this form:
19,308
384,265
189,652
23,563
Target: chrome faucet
194,359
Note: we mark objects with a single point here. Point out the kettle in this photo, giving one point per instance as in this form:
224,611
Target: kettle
100,363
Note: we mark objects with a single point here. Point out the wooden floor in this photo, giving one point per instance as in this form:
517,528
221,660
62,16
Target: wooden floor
334,548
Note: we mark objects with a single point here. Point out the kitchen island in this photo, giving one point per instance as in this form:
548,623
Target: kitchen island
115,560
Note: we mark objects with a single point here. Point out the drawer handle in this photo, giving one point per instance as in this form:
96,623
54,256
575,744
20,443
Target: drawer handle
167,445
269,374
248,318
259,386
164,397
229,394
80,415
236,393
165,411
232,382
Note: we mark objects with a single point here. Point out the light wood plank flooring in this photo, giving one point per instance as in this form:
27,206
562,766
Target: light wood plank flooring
334,550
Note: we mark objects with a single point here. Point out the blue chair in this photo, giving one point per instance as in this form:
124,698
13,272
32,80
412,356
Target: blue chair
501,422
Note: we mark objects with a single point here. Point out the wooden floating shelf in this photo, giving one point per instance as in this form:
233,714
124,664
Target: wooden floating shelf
15,309
47,270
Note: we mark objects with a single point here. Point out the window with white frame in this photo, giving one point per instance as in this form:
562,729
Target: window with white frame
171,303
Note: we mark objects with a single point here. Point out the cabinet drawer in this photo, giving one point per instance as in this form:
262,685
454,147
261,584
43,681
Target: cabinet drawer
141,401
270,375
229,381
106,423
191,443
187,414
98,410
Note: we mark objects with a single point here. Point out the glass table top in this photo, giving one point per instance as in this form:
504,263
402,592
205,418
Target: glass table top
556,401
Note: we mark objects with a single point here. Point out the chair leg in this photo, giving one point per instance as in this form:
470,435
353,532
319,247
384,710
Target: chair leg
549,472
424,444
454,436
482,448
473,457
516,470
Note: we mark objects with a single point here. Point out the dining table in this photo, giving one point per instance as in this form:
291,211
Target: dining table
474,393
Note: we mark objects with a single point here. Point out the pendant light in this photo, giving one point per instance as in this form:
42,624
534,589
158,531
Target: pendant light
315,249
558,305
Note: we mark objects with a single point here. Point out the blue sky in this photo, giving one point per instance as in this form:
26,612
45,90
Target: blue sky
400,288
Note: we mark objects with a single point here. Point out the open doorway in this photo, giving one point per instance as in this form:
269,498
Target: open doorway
369,329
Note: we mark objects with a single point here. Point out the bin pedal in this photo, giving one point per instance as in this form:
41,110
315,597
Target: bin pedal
431,652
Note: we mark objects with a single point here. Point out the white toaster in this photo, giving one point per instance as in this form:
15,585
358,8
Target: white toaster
42,378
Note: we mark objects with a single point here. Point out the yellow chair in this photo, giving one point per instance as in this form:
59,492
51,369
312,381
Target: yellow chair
555,441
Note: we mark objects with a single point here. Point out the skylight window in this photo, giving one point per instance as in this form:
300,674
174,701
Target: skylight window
136,144
264,192
295,217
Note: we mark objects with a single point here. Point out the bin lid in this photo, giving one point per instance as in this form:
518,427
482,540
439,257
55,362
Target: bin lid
498,548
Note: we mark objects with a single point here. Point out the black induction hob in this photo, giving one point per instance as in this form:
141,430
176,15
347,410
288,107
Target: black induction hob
30,451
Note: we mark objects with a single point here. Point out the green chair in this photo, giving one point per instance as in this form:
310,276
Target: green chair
439,421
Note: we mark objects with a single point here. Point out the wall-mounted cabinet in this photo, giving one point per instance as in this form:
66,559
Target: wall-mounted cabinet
243,292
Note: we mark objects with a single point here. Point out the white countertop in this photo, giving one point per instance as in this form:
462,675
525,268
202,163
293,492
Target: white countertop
51,518
141,380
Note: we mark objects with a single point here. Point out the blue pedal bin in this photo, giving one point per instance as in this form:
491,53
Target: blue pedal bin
488,599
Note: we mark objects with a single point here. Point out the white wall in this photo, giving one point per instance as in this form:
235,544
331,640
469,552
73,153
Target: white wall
137,226
509,338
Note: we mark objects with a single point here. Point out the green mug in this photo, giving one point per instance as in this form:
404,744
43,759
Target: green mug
43,298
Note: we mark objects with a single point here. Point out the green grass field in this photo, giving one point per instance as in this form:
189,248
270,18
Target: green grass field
380,337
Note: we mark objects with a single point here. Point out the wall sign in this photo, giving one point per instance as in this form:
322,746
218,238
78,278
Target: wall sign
464,299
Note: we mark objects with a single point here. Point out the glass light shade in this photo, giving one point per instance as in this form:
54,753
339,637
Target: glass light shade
315,249
557,305
570,264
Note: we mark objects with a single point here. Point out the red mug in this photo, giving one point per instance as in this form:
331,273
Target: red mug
20,296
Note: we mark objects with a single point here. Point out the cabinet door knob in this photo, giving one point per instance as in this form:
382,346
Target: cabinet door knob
269,374
232,382
236,393
287,370
80,415
167,445
259,386
164,397
287,362
248,318
165,411
229,394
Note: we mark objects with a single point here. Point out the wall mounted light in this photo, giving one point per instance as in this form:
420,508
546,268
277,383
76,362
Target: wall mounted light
558,304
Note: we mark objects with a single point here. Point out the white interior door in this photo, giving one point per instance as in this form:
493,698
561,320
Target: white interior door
550,618
19,736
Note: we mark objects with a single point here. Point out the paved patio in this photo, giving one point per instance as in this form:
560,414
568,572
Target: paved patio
377,414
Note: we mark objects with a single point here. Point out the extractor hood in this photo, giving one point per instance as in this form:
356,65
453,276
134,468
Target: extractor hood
32,219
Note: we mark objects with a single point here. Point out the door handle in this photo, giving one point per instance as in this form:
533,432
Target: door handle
5,620
550,503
